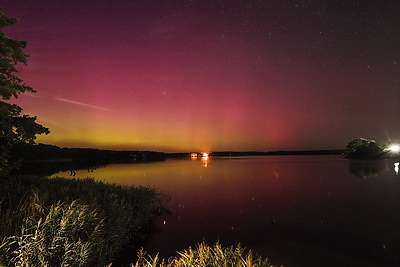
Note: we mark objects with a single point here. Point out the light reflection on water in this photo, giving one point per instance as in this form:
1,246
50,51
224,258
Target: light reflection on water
297,210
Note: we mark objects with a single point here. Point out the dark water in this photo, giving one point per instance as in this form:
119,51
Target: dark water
295,210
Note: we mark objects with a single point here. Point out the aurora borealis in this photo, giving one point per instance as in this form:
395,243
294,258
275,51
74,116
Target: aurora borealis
197,75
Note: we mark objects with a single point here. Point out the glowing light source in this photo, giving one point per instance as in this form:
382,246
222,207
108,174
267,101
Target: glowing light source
394,148
193,155
205,155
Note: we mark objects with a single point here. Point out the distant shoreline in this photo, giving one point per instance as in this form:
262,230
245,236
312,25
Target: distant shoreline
270,153
44,152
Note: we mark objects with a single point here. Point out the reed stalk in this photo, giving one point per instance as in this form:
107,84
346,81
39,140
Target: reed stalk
204,255
67,222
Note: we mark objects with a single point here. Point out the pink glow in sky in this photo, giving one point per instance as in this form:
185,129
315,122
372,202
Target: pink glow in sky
211,75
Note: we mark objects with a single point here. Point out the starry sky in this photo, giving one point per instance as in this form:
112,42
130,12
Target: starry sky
202,75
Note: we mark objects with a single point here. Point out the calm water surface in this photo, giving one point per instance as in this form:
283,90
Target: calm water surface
295,210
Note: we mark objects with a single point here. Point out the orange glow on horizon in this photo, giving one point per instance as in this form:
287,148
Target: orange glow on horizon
205,154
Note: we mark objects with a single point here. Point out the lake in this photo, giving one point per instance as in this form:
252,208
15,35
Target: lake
295,210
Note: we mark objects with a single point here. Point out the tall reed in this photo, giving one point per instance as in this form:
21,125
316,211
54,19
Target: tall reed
63,222
69,235
205,256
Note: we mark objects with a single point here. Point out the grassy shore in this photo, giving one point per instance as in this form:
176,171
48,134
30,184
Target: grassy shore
71,222
204,255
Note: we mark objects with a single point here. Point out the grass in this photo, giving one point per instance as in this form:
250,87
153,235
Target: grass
72,222
69,235
205,256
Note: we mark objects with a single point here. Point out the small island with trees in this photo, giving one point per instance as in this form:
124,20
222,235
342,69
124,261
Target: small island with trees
362,148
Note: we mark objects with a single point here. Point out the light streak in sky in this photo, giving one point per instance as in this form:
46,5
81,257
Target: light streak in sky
83,104
163,78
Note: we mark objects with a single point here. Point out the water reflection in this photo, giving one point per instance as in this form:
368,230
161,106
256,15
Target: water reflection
288,208
367,168
68,167
204,160
205,156
372,168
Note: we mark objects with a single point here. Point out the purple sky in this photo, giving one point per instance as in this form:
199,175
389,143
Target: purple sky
211,75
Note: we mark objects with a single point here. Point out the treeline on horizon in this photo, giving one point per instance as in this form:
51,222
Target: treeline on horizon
45,152
270,153
35,159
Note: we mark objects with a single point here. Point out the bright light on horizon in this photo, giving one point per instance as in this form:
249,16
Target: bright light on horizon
395,148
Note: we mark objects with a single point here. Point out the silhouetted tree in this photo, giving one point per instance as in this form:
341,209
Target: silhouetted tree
362,148
14,127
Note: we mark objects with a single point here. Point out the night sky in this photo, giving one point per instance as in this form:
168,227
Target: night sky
203,75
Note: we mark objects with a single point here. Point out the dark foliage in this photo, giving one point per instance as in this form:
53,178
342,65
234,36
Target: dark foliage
14,127
362,148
